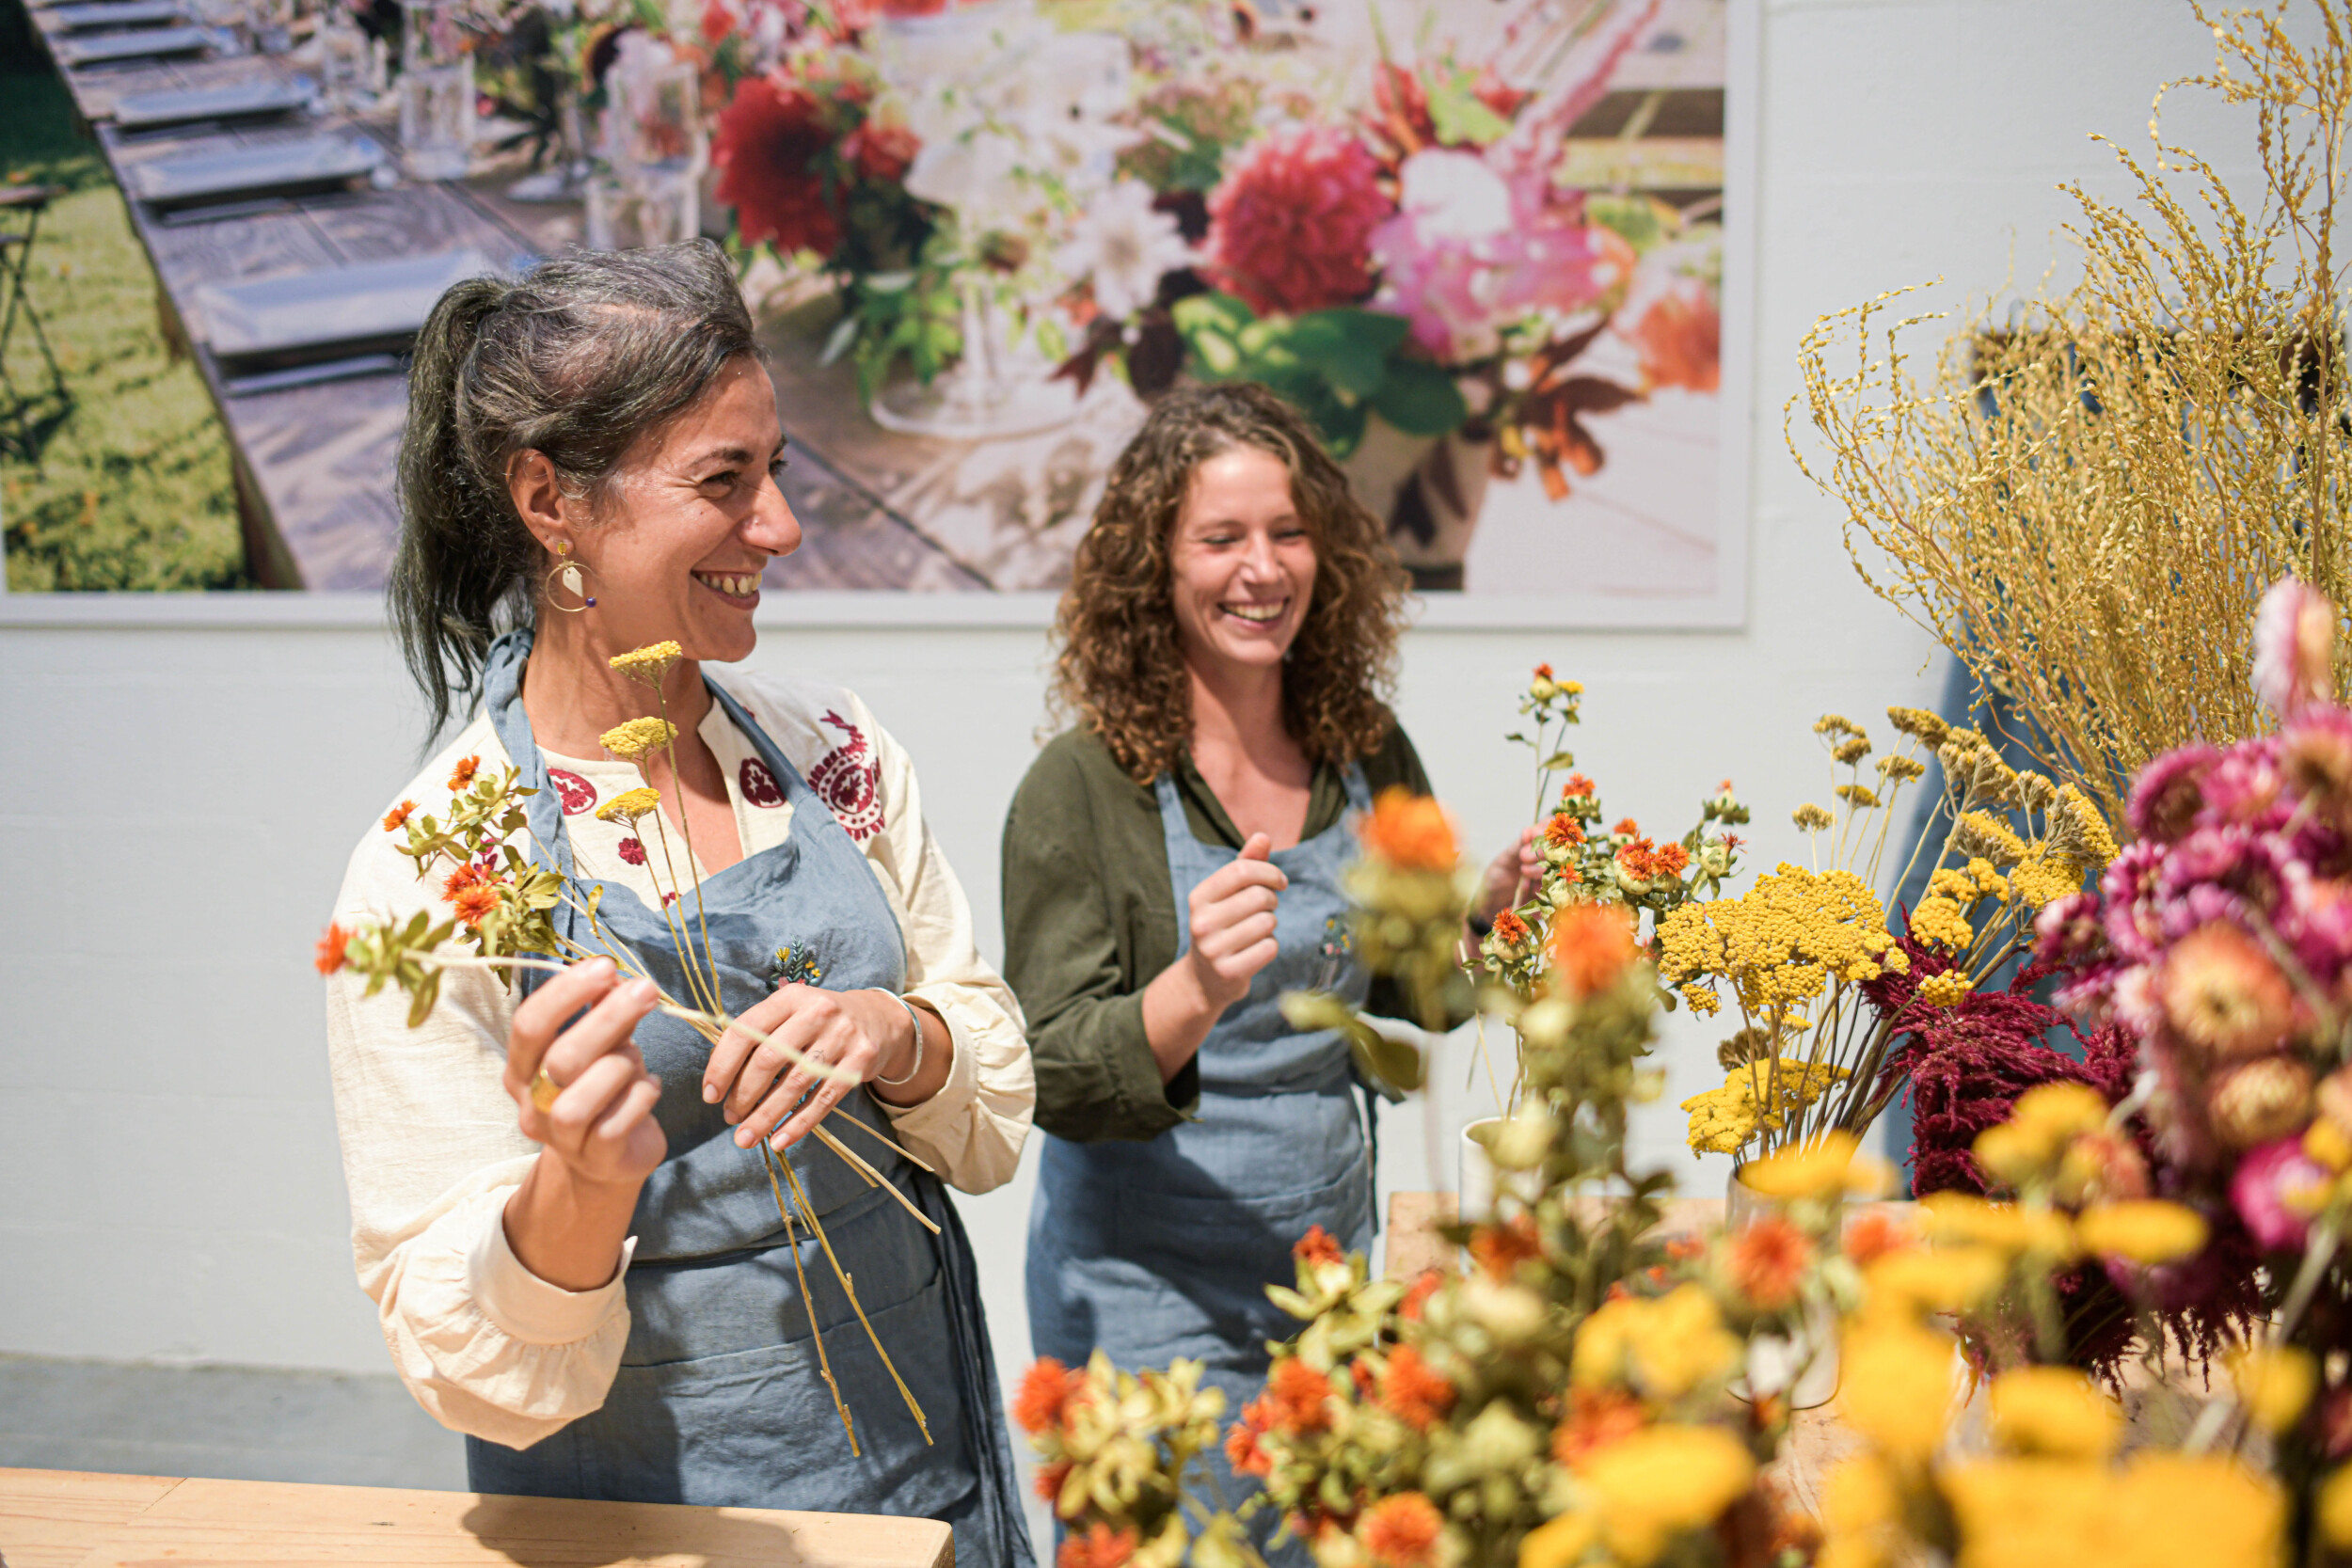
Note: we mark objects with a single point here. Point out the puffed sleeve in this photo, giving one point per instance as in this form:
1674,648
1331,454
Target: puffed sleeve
431,1154
971,1130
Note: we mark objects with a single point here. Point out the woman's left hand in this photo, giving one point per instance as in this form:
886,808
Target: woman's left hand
862,1031
1510,877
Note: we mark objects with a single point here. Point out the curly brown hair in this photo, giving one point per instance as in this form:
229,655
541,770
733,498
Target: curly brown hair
1121,670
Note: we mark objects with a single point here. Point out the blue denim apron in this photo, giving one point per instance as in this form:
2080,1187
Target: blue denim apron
1164,1247
719,1399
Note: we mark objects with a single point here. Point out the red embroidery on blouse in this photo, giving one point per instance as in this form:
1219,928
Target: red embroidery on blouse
849,779
576,793
758,785
633,851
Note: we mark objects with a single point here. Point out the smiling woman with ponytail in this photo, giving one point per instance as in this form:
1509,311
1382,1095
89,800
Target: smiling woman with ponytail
600,1292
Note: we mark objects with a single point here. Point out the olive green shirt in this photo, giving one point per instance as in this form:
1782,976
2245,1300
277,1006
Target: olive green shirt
1091,920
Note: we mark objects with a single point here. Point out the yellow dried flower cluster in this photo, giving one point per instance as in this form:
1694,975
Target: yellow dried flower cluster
1780,942
1901,770
1811,818
630,805
1723,1120
638,737
1947,990
648,664
1920,724
2077,829
1852,750
1662,1347
1982,835
2045,875
1860,797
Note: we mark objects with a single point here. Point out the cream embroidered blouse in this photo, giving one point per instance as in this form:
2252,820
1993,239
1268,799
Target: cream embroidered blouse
431,1152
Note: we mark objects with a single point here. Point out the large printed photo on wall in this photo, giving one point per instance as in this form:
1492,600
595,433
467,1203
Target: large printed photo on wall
1481,245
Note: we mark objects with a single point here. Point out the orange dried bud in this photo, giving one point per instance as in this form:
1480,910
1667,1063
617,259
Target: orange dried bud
331,948
398,817
1047,1389
1409,831
1318,1246
1592,947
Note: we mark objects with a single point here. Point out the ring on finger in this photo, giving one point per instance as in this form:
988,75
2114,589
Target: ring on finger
543,1089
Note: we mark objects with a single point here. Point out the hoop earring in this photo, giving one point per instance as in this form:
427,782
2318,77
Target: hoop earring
566,572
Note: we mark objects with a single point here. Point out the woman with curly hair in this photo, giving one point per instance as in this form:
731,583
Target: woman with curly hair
1171,866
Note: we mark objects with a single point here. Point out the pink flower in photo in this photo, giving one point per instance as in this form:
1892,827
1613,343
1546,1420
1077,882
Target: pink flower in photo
1469,252
2273,1192
2294,647
1290,223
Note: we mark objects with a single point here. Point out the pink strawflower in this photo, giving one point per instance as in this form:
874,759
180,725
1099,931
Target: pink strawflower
2170,794
2271,1186
2246,786
2294,647
1289,225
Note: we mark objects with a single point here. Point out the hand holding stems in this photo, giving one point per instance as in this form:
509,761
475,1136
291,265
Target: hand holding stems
865,1033
597,1135
1233,938
1509,876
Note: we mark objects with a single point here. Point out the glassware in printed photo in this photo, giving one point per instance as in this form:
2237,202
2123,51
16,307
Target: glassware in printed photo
658,146
231,23
342,59
436,93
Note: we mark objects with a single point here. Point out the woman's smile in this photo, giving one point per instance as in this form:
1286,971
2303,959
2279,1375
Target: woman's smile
739,589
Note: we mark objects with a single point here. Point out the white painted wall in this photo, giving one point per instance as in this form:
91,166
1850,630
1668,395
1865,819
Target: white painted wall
177,799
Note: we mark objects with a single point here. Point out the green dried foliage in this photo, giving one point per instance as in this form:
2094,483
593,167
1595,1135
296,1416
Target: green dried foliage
2085,496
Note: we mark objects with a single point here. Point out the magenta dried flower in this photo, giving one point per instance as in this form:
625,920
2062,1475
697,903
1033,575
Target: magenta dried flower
2170,794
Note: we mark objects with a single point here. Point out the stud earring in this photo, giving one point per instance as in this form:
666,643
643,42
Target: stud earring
566,573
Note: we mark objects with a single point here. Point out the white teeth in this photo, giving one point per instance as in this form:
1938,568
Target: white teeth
1258,613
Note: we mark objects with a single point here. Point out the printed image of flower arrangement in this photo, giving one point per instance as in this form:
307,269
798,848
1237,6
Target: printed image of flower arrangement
1156,191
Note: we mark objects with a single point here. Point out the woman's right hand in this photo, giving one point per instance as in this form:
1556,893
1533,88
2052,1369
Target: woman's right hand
600,1124
1232,924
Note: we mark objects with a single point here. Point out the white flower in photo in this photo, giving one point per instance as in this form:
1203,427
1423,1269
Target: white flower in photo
1125,246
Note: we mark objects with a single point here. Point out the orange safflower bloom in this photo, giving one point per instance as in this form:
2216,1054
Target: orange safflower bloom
1564,831
1592,947
1578,785
1683,1248
1401,1531
331,946
1766,1260
462,775
1409,831
1242,1450
1296,1394
1510,927
1873,1233
1047,1390
1318,1246
1411,1392
1645,862
475,903
1543,671
1628,828
398,816
1417,1294
1596,1418
1499,1249
1097,1549
465,877
1049,1479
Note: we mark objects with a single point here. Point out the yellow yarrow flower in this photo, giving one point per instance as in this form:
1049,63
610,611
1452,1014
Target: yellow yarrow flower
2031,1510
2335,1509
1940,919
1935,1279
638,737
2146,1231
1665,1346
1662,1481
2045,875
1723,1119
1981,834
2195,1511
630,805
1816,1170
1782,941
2055,1410
648,664
2274,1382
1811,818
1947,990
2084,832
1559,1542
1918,723
1895,1386
2010,1228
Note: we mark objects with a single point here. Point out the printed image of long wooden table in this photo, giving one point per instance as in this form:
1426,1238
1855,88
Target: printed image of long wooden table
314,447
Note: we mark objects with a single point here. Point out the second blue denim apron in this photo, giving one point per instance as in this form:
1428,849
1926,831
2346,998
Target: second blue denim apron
1164,1247
720,1400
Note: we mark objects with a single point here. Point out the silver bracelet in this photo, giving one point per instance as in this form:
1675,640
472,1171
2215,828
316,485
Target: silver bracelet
916,1019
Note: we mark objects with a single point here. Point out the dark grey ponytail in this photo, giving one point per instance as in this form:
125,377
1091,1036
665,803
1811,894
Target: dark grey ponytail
575,359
